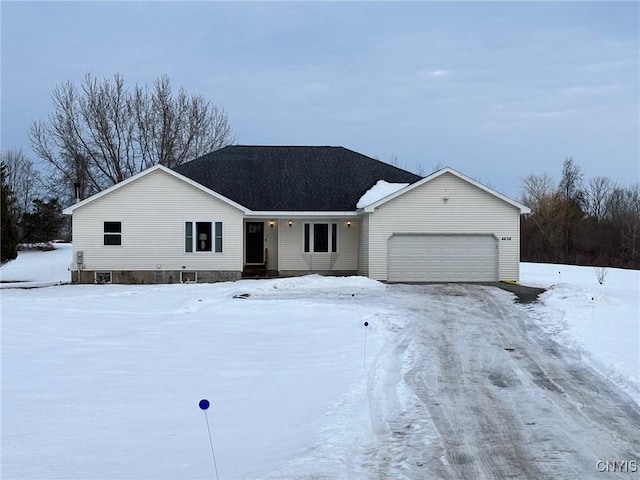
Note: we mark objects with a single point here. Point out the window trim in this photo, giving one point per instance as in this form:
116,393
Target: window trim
111,234
333,238
215,242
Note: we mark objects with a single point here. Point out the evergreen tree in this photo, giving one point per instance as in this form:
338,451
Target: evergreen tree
9,233
44,222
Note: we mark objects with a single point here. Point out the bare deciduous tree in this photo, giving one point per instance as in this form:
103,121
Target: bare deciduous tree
623,213
420,169
395,161
535,188
596,195
22,178
601,274
551,217
177,128
570,187
572,196
100,133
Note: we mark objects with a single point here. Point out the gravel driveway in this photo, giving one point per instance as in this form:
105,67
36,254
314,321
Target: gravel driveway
491,396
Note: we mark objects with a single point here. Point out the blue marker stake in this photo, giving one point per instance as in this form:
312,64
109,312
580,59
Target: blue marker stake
204,406
364,361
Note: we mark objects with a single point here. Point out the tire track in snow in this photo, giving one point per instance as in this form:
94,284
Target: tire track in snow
449,401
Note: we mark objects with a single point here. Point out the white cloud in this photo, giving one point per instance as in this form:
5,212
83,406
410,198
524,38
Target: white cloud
440,73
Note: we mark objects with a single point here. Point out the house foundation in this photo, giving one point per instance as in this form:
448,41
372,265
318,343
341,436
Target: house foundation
138,277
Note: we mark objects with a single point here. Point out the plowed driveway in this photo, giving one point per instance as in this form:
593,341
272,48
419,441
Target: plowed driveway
478,391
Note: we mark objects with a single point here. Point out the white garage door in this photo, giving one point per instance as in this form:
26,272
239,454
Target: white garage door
442,258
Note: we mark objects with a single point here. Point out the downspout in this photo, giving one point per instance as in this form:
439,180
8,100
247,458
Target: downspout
76,186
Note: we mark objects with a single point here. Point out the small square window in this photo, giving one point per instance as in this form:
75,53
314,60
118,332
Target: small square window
103,277
189,277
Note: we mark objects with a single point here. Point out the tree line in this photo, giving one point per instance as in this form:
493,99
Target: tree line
594,222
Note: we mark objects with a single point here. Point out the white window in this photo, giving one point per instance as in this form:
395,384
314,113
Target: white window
113,233
203,237
320,237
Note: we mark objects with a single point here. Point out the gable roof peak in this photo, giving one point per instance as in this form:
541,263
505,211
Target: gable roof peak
452,171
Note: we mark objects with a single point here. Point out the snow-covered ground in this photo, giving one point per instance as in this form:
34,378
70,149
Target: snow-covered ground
35,268
600,321
103,382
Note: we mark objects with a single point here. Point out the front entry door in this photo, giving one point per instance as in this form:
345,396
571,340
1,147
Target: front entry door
254,242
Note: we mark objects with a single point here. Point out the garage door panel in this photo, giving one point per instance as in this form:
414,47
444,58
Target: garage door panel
442,258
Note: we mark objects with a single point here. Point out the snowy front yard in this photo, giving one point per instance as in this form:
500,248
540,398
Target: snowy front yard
103,382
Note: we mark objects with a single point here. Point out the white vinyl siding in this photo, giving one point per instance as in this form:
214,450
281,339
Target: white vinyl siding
363,246
347,256
468,209
291,255
271,241
153,210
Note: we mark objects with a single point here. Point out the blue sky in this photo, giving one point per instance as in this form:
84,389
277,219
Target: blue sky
497,90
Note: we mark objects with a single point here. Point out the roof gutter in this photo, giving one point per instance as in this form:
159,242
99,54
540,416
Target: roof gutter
300,214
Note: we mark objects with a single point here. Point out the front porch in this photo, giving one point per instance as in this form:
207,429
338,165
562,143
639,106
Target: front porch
260,270
300,244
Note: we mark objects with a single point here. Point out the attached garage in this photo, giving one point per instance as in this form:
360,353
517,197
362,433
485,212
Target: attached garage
444,228
423,257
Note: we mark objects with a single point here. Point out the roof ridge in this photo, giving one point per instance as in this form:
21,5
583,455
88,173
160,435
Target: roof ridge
285,146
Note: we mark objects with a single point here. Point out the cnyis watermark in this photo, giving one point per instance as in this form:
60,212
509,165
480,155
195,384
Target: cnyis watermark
626,466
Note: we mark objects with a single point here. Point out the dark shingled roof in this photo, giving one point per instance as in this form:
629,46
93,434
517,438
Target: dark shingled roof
269,178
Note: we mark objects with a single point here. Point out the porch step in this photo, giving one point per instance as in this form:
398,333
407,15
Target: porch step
257,271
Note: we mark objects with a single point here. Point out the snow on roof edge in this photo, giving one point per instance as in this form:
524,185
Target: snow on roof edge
377,192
